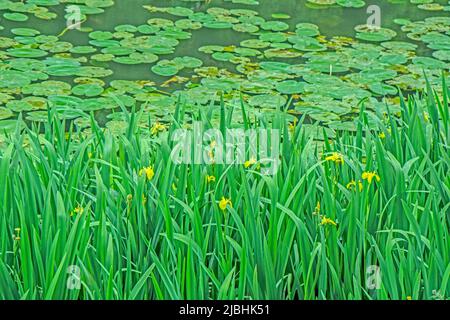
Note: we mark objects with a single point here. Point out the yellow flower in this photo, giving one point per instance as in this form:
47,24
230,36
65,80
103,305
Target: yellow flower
210,179
17,236
223,203
157,128
336,157
426,116
211,156
317,208
408,298
370,175
327,221
382,135
293,125
79,209
249,163
148,171
352,185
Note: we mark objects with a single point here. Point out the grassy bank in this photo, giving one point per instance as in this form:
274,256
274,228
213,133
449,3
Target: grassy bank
137,226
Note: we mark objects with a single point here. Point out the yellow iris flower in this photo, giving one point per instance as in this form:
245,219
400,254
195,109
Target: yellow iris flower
336,157
369,176
327,221
148,171
223,203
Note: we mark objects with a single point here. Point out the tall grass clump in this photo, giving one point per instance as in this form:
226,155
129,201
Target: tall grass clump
137,226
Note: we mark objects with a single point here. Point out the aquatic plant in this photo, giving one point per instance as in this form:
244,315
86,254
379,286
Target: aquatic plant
107,215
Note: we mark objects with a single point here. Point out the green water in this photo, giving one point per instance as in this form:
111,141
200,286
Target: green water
334,21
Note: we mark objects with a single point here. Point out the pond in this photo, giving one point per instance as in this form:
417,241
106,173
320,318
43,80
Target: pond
318,59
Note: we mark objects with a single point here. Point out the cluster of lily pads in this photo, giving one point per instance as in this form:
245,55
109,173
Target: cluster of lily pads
21,11
274,67
429,5
349,70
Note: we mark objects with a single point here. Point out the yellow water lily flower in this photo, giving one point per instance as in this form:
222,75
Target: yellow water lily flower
369,176
148,171
249,163
335,157
223,203
327,221
210,179
157,128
